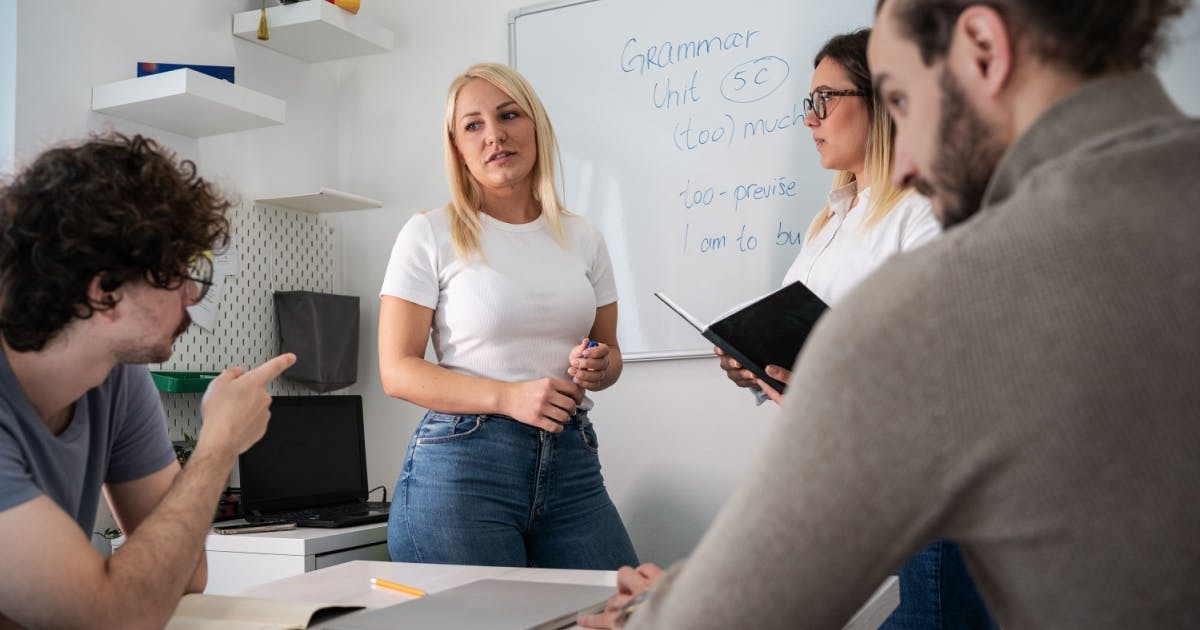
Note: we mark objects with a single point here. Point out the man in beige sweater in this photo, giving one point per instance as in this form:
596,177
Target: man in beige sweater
1042,404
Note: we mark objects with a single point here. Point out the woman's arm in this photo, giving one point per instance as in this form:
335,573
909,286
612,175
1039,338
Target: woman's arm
403,334
600,366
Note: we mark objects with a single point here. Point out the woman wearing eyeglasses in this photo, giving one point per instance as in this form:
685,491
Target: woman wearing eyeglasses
866,219
864,222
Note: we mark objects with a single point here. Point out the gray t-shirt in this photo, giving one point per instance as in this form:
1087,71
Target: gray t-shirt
118,433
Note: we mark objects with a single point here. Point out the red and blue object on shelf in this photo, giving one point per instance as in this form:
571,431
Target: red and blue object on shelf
348,5
225,73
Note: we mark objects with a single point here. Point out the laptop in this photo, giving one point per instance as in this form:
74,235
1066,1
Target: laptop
490,603
311,466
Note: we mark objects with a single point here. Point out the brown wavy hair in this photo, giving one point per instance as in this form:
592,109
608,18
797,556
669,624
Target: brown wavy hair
121,208
1091,37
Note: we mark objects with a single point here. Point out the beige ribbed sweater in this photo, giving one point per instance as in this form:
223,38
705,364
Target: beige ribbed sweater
1028,385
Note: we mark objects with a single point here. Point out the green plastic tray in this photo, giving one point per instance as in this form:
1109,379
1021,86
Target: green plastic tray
182,382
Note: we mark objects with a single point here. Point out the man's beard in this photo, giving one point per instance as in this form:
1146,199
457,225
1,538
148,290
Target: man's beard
183,325
143,354
966,157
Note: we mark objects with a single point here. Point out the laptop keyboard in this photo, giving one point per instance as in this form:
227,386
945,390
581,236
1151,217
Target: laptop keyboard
329,512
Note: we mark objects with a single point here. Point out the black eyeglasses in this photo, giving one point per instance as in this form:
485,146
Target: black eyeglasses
200,271
821,102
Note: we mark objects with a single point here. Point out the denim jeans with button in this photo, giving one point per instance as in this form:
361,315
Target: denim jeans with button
936,593
488,490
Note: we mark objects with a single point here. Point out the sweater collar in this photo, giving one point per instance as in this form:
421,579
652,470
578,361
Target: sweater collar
1099,108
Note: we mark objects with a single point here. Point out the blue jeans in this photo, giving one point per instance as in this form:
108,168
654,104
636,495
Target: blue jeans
936,592
488,490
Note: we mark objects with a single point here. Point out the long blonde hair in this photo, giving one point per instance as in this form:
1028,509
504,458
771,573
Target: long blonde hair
850,52
466,198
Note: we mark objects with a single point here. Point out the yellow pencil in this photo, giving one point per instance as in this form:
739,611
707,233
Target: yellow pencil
411,590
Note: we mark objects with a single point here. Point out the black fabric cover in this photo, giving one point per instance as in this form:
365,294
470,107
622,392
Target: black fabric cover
322,330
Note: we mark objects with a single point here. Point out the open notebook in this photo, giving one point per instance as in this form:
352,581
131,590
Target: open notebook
768,330
203,612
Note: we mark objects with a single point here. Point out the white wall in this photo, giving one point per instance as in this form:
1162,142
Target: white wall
8,81
1178,67
67,46
370,125
674,435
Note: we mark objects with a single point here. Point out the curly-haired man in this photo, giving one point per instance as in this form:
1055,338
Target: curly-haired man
102,249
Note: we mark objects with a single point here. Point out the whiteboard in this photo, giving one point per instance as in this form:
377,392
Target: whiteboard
683,140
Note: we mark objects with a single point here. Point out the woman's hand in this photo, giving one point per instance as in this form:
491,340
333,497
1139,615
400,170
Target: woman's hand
734,370
589,364
783,375
631,583
545,403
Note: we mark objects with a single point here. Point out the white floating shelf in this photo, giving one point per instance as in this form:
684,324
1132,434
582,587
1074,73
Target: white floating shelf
315,30
189,103
327,200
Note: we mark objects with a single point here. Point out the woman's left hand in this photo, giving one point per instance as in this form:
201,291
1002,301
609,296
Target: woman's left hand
783,375
589,366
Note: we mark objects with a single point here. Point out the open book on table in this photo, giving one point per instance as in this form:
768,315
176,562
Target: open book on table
197,611
768,330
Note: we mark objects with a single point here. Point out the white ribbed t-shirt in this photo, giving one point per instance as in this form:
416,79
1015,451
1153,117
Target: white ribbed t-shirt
514,315
845,251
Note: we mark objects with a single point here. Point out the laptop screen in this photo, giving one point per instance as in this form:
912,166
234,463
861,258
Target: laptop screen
313,454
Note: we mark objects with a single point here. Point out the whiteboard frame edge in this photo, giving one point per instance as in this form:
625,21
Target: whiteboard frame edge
667,355
530,10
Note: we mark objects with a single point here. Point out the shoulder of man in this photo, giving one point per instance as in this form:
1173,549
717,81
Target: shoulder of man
890,311
129,393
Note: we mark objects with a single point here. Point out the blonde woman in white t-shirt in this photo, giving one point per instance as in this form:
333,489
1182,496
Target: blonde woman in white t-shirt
519,299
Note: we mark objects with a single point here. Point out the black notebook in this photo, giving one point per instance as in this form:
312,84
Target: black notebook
311,466
766,331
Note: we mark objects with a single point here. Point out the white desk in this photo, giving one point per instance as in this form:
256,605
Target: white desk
350,584
237,562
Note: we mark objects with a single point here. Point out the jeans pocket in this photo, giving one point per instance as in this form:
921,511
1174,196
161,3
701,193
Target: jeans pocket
441,428
588,435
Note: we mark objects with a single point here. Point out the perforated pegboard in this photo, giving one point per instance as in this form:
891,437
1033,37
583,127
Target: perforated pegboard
280,250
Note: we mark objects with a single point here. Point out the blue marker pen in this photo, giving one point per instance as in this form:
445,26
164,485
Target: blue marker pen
584,354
